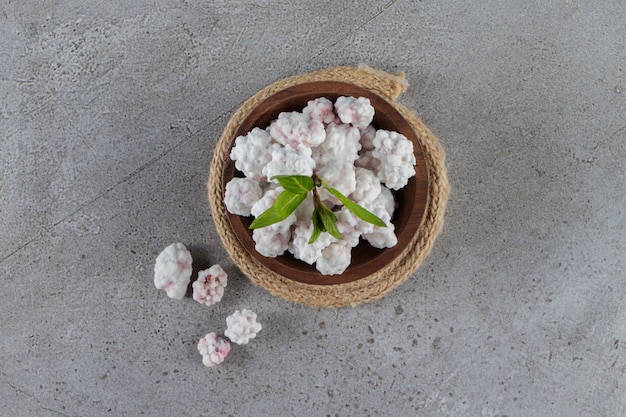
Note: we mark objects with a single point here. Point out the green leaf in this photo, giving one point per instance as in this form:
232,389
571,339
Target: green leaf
268,217
358,211
318,227
285,204
297,184
329,220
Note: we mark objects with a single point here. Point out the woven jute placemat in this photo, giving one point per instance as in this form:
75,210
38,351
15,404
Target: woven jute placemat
371,287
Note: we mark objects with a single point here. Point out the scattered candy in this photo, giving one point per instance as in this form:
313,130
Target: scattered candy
172,270
242,326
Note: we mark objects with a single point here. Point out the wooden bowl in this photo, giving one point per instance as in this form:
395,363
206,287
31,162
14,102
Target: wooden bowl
411,199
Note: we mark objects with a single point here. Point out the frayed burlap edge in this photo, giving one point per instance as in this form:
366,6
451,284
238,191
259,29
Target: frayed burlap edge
378,284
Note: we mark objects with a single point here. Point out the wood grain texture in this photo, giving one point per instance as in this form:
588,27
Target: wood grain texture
412,199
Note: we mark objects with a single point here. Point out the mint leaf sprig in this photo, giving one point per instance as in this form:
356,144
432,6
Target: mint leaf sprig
296,188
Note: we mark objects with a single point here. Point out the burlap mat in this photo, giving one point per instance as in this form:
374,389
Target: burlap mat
378,284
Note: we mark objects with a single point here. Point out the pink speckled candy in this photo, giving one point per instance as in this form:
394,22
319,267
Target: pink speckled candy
208,289
213,349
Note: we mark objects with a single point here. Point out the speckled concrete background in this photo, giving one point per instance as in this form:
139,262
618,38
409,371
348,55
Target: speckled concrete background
108,115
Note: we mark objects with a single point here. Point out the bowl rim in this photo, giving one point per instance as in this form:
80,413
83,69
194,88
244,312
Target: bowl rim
292,99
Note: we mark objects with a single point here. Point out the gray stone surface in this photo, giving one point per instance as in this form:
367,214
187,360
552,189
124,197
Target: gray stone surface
109,112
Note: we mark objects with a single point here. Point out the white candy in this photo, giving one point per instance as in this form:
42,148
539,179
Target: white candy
242,326
341,176
241,194
356,111
335,159
289,161
208,289
299,246
385,200
172,270
252,153
297,129
213,349
335,259
342,144
395,153
367,186
321,109
271,242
